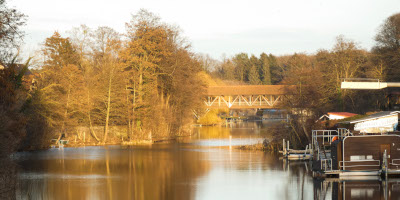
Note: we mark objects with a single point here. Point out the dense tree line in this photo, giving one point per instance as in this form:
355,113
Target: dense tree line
16,108
252,70
324,71
318,77
145,80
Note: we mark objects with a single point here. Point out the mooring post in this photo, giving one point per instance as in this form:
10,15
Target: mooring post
284,148
305,152
385,165
288,147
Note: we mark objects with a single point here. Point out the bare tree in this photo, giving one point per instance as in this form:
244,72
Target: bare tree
11,34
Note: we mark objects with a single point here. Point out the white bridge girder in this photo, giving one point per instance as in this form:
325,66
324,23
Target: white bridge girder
243,101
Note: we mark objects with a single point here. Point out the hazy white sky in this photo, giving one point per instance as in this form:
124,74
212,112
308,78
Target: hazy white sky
219,27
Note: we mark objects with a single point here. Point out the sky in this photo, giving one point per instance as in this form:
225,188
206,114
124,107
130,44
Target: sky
221,28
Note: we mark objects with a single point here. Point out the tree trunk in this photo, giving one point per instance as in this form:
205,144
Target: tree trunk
306,132
108,105
91,130
133,108
65,114
140,85
140,97
127,112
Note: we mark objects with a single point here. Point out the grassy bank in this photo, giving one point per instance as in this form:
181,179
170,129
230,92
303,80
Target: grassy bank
264,146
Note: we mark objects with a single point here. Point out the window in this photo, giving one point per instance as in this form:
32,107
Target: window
355,158
361,157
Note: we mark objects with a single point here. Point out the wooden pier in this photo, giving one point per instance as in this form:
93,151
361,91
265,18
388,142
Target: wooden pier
292,154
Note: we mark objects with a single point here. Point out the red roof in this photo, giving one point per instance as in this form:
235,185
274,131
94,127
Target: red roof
343,114
250,90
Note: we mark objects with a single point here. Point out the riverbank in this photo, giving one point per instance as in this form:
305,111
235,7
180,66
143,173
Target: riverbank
123,143
117,135
264,146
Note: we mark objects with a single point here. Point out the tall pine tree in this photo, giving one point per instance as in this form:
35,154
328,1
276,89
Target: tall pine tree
265,73
254,78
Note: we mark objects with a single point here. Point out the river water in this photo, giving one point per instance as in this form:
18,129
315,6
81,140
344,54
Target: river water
204,166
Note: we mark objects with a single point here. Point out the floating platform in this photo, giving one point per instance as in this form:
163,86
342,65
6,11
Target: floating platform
359,173
292,154
299,156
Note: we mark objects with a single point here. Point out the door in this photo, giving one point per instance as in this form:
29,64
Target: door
387,148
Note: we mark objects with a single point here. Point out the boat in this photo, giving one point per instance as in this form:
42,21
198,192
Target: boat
371,149
342,153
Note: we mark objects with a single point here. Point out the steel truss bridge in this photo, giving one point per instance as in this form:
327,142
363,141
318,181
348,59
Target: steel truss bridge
246,96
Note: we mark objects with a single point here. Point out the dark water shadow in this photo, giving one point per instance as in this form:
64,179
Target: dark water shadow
357,188
8,180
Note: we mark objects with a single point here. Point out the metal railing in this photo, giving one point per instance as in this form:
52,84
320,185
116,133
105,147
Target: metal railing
326,164
360,80
342,164
393,162
326,136
343,132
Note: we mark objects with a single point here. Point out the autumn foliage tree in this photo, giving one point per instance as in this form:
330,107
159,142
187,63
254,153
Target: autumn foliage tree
60,82
387,49
12,126
96,79
11,35
158,62
12,93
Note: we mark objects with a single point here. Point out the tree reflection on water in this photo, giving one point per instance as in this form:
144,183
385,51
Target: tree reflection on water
176,171
96,173
367,187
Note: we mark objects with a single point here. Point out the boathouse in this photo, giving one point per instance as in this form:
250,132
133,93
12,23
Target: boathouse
381,122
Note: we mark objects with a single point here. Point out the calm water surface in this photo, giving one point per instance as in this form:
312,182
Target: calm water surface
204,166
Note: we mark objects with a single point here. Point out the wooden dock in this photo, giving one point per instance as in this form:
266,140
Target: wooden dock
292,154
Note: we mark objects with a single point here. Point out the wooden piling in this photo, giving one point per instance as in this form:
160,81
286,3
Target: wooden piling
288,147
284,148
305,152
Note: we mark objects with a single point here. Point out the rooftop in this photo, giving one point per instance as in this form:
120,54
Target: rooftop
376,116
249,90
343,114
